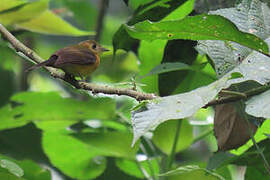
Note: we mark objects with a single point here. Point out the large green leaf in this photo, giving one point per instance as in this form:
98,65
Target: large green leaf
5,175
34,107
164,136
154,10
248,16
49,23
25,13
115,144
201,27
73,157
8,4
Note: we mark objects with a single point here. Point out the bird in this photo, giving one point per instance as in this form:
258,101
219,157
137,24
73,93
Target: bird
78,60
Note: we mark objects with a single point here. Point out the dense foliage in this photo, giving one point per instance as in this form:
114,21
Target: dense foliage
184,51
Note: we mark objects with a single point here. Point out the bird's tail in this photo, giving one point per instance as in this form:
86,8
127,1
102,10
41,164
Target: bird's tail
49,62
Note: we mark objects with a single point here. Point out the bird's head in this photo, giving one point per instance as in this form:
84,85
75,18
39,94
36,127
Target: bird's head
93,46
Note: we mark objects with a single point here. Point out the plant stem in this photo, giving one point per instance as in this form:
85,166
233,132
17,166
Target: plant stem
172,154
148,162
202,135
102,11
242,110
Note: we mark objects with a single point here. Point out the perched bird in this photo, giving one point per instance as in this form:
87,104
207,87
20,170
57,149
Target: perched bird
75,60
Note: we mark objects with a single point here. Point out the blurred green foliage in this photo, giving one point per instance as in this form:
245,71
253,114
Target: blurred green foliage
51,129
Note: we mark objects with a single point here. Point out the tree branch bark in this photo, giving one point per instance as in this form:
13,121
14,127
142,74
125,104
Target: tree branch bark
234,98
21,48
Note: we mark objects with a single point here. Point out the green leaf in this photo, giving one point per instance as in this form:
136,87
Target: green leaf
25,13
34,171
192,172
63,111
24,168
201,27
181,12
49,23
8,4
134,4
148,61
12,167
236,75
73,157
132,167
219,159
253,173
227,55
115,144
186,104
168,67
164,136
154,11
8,176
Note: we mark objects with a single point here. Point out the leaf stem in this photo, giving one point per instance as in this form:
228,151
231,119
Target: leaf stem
202,135
242,109
172,154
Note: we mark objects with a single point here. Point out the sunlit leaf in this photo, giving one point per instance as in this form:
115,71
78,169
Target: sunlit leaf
164,136
49,23
149,60
63,111
25,13
8,4
73,157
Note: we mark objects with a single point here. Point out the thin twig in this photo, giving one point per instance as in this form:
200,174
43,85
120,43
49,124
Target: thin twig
21,48
102,11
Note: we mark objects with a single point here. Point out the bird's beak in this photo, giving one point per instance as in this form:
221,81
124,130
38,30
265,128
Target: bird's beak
104,49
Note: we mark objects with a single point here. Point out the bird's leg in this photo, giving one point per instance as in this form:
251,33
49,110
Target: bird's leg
82,78
70,78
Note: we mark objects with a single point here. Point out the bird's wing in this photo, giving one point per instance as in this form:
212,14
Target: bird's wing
75,55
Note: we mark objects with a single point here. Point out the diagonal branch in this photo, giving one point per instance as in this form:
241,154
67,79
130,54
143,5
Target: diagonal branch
234,98
21,48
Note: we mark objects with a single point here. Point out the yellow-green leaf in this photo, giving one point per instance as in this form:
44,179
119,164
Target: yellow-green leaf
23,14
49,23
8,4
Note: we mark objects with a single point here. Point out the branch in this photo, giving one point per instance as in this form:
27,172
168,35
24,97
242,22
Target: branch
245,95
21,48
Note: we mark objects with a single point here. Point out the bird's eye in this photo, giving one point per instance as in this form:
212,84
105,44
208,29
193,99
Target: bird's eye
94,46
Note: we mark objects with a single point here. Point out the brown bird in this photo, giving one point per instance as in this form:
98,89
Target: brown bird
75,60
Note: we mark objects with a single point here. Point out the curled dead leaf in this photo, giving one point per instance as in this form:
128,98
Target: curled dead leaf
230,127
